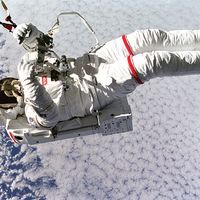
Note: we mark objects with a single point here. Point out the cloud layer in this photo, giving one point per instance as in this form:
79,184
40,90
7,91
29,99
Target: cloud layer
159,159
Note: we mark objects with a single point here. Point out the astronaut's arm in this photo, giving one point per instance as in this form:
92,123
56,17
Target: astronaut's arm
47,119
35,95
12,113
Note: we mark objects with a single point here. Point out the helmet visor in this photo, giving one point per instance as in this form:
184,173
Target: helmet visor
6,101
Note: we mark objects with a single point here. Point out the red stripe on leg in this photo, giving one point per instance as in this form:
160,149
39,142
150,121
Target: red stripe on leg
133,71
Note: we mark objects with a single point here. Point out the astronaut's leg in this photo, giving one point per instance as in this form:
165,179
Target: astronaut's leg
122,77
148,40
158,40
164,63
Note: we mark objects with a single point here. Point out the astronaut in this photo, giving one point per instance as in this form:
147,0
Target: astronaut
98,78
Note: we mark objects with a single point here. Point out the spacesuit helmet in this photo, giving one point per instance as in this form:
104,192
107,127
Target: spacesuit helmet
9,88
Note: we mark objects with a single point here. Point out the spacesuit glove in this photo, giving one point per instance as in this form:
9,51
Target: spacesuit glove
27,34
12,113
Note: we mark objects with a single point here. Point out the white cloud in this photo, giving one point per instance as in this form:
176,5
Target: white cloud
158,160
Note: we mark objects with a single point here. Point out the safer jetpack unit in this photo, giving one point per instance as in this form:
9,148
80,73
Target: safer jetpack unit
114,118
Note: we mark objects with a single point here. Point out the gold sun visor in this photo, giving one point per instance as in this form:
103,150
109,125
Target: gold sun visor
7,86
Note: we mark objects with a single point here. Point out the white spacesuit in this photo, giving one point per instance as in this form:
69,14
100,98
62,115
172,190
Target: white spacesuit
110,72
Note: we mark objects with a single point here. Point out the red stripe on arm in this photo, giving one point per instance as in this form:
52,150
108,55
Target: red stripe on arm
133,71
